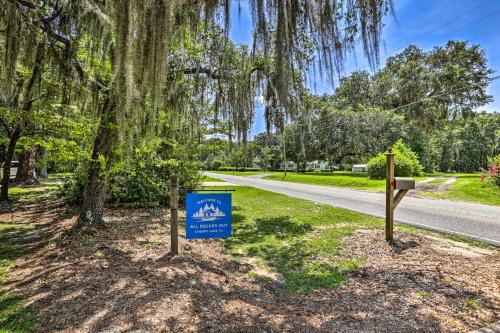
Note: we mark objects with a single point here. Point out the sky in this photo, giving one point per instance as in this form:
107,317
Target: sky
426,23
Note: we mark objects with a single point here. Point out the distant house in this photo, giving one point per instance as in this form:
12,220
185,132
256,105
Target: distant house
321,165
290,165
359,167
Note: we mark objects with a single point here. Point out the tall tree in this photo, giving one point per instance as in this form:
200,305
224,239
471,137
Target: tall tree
137,36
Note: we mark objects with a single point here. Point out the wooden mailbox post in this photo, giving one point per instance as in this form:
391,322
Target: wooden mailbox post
174,215
402,184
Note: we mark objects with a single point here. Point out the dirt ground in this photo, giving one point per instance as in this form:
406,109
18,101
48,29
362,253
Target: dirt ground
123,279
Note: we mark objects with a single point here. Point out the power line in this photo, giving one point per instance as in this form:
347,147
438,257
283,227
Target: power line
450,21
465,25
401,48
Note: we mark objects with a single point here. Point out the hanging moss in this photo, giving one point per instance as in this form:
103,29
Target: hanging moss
140,37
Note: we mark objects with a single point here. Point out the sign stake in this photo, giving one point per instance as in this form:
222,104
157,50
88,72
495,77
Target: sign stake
389,197
174,215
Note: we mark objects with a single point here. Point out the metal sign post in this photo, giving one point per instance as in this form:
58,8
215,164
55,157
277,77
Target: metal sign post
391,202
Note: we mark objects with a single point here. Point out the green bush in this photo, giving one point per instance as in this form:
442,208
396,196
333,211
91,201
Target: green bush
140,180
406,163
145,181
73,184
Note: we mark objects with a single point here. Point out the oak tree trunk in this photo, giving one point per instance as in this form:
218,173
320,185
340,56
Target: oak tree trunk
42,169
26,173
96,188
9,155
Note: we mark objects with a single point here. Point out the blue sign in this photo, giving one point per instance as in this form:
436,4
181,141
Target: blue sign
208,215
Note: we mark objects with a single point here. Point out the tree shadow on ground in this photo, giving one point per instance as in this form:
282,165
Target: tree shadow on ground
111,281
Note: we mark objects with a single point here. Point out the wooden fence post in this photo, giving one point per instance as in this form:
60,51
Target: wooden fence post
174,215
389,197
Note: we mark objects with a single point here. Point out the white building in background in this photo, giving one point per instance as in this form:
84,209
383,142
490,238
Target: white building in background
359,167
290,165
321,165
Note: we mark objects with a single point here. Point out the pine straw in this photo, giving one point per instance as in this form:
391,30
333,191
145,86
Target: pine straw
123,279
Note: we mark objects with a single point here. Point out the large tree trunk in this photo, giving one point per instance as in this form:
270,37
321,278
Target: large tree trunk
42,169
96,188
9,155
26,173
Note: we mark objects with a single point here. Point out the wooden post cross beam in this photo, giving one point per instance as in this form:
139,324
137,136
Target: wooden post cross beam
391,202
399,196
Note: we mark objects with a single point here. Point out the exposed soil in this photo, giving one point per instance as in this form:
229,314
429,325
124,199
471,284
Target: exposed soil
426,186
122,279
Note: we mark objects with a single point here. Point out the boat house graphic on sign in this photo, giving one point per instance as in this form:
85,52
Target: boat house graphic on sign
209,213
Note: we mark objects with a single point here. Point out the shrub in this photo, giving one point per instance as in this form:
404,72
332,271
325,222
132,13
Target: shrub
492,175
144,181
73,185
140,180
405,163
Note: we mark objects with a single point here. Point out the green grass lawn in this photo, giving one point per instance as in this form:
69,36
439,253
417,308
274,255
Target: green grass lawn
241,173
437,181
468,187
209,179
32,193
13,316
337,179
296,238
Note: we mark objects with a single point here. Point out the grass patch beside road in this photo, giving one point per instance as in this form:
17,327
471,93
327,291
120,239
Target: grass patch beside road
296,238
241,173
210,179
336,179
468,187
345,179
13,316
437,181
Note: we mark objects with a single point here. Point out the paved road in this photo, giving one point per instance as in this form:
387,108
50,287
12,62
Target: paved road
478,221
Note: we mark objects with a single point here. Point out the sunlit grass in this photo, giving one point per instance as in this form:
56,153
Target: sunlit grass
210,179
32,193
13,316
437,181
468,187
241,173
335,179
295,238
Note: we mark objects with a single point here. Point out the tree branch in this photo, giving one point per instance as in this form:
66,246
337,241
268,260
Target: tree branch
6,126
45,25
213,74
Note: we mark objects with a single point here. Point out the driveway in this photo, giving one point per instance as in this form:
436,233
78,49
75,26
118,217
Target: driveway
481,222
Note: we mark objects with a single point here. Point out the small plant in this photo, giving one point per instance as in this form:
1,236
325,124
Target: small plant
473,304
422,293
492,175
